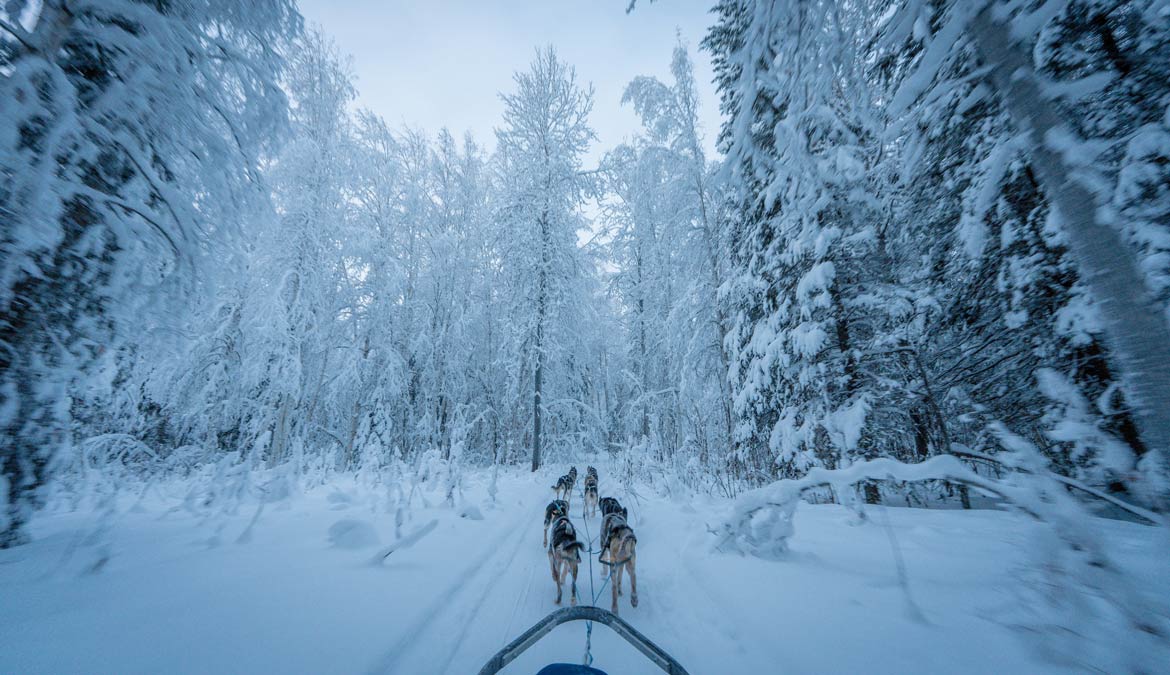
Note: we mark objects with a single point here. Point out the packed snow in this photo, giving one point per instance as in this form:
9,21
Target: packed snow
303,597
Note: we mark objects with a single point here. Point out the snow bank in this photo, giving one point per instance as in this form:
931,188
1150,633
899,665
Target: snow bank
1073,586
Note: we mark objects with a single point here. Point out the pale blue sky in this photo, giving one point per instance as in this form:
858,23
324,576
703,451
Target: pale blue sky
440,63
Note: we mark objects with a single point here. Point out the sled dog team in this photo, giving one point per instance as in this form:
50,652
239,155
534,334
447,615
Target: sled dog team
617,537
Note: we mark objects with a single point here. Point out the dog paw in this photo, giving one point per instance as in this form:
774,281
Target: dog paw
633,601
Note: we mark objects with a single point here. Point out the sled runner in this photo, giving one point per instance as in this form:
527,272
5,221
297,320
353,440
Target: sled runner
583,613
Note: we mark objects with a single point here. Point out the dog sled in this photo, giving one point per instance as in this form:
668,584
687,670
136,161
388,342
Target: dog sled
583,613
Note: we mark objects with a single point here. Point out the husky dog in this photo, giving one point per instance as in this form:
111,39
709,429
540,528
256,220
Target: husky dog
590,471
564,486
591,493
557,508
622,555
564,553
612,512
609,505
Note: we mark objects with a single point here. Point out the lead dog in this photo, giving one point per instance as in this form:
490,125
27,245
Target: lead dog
558,508
591,492
564,553
564,486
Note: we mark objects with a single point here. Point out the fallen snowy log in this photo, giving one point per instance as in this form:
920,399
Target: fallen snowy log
761,520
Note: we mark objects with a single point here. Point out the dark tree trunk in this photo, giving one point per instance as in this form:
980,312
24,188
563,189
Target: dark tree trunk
538,384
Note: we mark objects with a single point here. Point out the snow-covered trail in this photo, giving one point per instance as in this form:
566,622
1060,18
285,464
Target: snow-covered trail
289,601
508,587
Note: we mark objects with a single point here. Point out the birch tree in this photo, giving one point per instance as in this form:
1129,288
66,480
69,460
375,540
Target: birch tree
545,132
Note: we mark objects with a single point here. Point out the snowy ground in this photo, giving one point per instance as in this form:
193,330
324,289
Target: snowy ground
289,600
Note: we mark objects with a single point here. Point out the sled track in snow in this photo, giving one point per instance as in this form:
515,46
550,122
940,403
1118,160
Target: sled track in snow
699,583
728,626
521,600
467,579
488,588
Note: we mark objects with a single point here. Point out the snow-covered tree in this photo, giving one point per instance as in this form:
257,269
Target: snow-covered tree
541,144
809,291
1024,265
671,255
298,275
998,287
129,152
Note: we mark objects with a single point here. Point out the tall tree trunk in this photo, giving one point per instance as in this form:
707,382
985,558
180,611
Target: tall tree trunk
279,433
355,416
642,346
538,385
720,312
541,310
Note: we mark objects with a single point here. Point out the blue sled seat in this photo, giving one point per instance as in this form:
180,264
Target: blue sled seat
569,669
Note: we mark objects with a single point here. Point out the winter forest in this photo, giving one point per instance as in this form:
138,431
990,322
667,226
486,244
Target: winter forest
883,382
